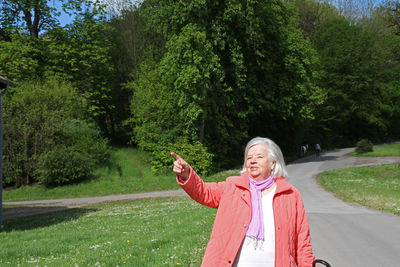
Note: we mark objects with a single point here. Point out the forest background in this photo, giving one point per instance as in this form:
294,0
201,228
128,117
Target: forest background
197,77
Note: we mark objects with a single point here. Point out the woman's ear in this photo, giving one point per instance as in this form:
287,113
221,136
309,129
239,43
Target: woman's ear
273,165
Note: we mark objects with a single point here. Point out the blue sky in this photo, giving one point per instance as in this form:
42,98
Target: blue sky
64,18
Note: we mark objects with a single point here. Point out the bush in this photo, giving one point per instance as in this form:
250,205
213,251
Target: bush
195,154
33,111
364,146
78,149
64,165
85,137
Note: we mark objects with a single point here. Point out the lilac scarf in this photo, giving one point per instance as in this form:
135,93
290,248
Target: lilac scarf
256,226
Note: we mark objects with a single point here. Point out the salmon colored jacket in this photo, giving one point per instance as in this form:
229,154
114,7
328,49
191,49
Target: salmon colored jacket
233,201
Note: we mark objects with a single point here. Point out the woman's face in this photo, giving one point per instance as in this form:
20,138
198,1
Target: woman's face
258,164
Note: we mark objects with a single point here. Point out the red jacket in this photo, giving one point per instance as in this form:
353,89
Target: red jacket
233,200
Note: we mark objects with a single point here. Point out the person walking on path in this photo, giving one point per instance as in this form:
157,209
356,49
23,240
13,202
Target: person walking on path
317,150
261,220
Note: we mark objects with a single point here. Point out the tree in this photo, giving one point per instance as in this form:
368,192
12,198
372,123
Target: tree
34,16
81,54
232,70
354,73
353,10
20,57
32,113
313,14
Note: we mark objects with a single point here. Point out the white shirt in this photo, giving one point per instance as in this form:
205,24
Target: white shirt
253,253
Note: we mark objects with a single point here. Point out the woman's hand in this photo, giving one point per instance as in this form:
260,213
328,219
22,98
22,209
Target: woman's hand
181,168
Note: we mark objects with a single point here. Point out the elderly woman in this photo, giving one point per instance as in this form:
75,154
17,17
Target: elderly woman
260,220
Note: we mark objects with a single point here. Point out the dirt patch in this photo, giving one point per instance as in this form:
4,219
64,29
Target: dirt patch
372,161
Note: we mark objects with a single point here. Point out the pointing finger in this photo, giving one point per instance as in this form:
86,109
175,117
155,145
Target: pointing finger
175,155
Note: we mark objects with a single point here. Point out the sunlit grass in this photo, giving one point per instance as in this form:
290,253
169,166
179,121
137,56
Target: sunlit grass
375,187
149,232
387,150
133,175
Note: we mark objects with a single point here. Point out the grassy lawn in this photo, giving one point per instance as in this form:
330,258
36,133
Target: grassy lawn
134,176
148,232
388,150
375,187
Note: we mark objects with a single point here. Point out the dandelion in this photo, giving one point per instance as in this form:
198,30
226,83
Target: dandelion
179,263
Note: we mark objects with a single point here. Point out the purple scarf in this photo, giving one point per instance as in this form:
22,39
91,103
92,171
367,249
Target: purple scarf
256,227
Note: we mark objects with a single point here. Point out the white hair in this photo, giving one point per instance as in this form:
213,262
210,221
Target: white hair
274,153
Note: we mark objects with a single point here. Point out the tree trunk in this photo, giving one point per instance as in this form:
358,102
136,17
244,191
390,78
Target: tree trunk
202,131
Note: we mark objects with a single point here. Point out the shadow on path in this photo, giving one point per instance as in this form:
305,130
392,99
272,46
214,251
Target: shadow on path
314,158
44,217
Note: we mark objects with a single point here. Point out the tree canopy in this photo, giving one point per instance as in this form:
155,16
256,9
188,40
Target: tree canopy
205,76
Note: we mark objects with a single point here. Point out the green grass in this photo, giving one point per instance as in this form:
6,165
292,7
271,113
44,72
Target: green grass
375,187
134,176
148,232
388,150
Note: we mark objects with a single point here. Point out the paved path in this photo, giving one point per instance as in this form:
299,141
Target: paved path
346,235
27,208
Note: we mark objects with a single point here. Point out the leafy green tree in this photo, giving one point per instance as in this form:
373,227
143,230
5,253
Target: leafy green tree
354,75
132,44
78,148
81,54
34,15
231,70
385,22
20,57
313,14
32,113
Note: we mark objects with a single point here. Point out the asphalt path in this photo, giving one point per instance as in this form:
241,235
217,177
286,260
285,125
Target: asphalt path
344,234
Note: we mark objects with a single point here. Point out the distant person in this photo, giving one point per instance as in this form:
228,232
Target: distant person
387,139
317,149
260,220
304,148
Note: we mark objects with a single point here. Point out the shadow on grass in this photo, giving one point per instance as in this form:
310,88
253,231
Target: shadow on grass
28,218
314,158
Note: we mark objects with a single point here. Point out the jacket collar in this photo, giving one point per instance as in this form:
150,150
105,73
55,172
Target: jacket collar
243,181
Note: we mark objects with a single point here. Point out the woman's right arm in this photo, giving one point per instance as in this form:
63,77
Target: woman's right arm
208,194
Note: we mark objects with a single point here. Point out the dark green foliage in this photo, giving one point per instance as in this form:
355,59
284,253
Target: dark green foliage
364,146
231,71
215,72
35,15
85,138
20,57
194,154
64,165
42,117
81,54
354,74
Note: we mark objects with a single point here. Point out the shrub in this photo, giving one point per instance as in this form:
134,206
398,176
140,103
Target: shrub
78,149
364,146
85,137
195,154
32,113
64,165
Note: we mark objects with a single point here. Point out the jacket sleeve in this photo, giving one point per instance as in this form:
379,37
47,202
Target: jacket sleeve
208,194
304,255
